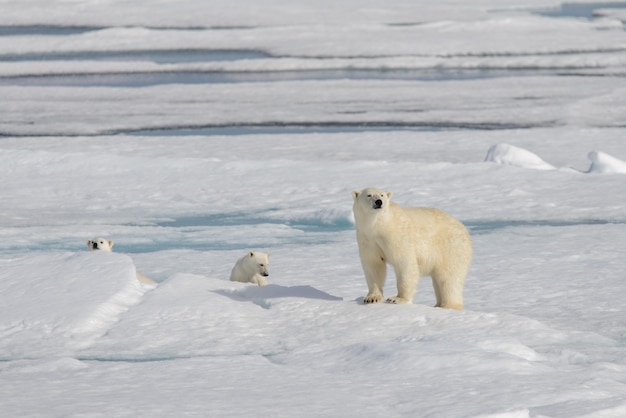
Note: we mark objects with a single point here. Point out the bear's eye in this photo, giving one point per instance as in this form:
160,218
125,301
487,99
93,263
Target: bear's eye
369,195
261,265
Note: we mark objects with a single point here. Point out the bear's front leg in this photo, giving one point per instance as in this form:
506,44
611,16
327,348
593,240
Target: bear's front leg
407,276
260,280
375,273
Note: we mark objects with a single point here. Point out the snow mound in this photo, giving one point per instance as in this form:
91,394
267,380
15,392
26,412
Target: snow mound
506,154
605,163
57,303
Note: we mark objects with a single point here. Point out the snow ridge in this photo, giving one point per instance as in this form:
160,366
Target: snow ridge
96,324
506,154
605,163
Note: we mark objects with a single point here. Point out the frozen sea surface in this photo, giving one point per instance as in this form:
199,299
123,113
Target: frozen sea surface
191,132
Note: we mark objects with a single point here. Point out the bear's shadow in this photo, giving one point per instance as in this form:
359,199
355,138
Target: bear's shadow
261,295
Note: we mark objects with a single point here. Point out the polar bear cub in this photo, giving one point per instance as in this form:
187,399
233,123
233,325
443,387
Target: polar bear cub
415,242
252,268
102,244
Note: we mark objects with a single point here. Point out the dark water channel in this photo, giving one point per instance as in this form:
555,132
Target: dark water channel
165,75
182,56
580,10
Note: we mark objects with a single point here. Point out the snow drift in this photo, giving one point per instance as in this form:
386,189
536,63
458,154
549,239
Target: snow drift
605,163
506,154
54,304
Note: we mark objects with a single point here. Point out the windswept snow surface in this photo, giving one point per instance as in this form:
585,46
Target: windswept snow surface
190,132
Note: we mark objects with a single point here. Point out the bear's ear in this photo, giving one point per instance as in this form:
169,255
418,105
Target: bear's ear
389,195
268,255
355,194
111,243
251,253
89,243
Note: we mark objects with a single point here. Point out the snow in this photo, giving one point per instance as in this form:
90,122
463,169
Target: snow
54,319
515,156
190,132
512,155
604,163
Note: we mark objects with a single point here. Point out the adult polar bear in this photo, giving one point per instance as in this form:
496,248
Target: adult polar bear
416,242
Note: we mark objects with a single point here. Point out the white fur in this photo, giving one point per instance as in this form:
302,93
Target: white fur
252,268
102,244
416,242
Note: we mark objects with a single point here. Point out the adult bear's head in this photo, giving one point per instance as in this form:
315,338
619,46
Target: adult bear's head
371,198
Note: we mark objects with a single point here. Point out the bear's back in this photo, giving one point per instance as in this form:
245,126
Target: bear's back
430,224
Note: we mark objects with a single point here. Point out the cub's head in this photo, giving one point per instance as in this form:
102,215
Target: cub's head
370,198
261,261
100,244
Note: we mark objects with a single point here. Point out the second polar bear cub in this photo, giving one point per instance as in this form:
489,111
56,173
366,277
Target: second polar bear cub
101,244
252,268
416,242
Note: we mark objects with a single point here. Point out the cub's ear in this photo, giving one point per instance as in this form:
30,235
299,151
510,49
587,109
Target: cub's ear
355,194
251,253
389,195
89,243
111,243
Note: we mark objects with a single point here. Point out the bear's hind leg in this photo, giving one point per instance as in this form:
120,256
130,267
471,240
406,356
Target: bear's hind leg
437,293
449,293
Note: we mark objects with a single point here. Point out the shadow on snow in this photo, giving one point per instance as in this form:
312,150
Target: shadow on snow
262,295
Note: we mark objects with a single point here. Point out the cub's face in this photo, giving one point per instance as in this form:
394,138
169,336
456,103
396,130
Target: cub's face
261,262
371,199
100,244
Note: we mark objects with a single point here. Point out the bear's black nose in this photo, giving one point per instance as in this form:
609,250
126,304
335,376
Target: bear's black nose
95,245
378,203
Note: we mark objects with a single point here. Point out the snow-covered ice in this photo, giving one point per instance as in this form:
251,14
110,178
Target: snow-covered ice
190,132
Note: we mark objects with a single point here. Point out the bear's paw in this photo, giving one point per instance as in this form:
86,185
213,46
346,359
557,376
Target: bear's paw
397,300
373,298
